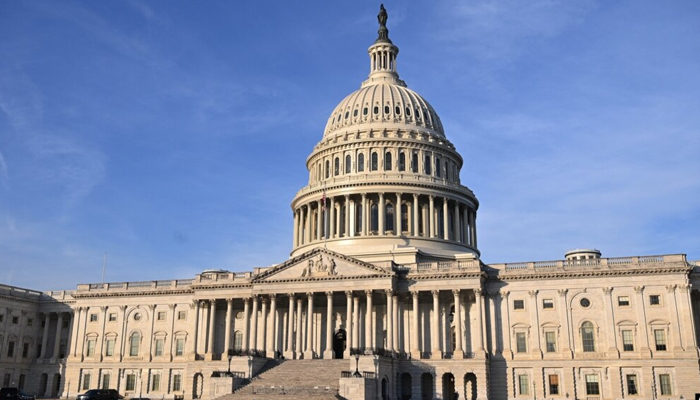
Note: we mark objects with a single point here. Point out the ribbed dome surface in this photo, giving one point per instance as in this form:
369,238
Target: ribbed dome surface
384,103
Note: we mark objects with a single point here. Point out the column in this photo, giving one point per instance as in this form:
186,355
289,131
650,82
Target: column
474,227
685,308
261,341
346,232
75,337
295,239
339,232
505,324
212,327
331,219
458,351
45,338
434,334
319,220
445,219
465,226
328,354
455,222
368,320
610,322
480,313
676,335
307,225
356,322
302,226
642,320
430,221
298,346
227,331
309,353
289,353
389,320
415,346
397,215
564,318
246,316
365,213
254,325
535,322
57,343
272,327
415,231
348,322
194,308
395,322
381,213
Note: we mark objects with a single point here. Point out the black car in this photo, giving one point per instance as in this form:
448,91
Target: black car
15,394
100,394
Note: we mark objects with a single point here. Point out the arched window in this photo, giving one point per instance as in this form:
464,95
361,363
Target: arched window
238,340
402,161
404,217
414,163
375,161
328,168
437,166
427,165
588,337
358,217
134,343
387,161
374,215
348,164
389,223
336,166
447,170
361,162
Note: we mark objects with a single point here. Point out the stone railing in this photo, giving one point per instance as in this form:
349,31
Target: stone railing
595,263
380,176
143,285
441,266
20,292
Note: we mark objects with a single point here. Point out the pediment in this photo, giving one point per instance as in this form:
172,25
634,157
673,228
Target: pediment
321,264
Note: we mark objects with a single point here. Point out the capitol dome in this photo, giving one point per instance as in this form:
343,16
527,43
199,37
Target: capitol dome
384,183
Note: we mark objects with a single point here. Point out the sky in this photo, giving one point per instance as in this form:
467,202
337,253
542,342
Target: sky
173,135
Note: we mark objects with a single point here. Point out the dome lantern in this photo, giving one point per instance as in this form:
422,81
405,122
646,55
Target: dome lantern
382,55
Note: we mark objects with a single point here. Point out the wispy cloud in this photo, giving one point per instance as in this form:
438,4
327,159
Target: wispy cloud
4,174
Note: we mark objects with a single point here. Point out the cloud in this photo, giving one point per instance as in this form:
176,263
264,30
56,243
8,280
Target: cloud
4,175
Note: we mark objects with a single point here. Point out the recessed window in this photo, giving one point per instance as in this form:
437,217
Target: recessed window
180,347
623,301
402,161
161,315
348,164
408,111
90,351
137,317
523,384
665,384
177,383
25,350
2,318
109,350
130,382
553,384
547,304
518,304
376,110
347,114
585,303
631,384
654,300
364,111
374,162
627,340
588,337
387,162
520,342
160,343
427,165
437,166
112,317
360,162
660,339
354,113
551,341
155,382
398,110
387,110
336,166
93,317
30,322
592,384
15,320
182,315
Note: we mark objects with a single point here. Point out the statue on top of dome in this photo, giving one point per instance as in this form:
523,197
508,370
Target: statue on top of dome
383,31
382,16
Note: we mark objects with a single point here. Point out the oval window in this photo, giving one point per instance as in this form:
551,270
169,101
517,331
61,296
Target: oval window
408,111
347,114
354,113
386,109
398,110
376,110
585,303
364,111
137,317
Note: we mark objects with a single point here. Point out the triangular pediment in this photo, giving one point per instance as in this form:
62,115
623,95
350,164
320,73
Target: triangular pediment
321,264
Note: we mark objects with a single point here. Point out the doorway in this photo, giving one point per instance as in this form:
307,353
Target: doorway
339,342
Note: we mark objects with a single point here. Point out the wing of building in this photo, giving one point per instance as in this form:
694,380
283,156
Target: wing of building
384,296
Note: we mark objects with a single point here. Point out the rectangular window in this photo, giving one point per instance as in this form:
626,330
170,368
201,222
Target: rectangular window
177,383
30,322
2,317
109,350
660,339
182,315
86,382
161,315
93,317
21,382
155,383
11,349
15,320
6,380
25,350
665,383
159,346
523,384
547,304
654,300
130,382
551,341
518,304
592,386
623,301
90,348
112,317
521,342
627,341
179,347
554,384
631,384
105,381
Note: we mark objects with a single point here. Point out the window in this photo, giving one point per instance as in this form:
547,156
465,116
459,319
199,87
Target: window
2,317
25,350
627,341
6,380
665,384
631,380
161,316
112,317
137,317
585,303
523,384
348,164
374,217
437,166
336,166
387,162
130,382
375,110
402,161
360,162
328,168
177,383
364,111
30,322
660,339
592,386
387,110
159,346
374,162
15,320
93,317
179,347
11,349
588,337
518,304
521,342
547,304
86,381
181,315
155,382
427,165
65,323
553,384
654,300
389,223
90,351
398,110
109,350
414,162
134,342
105,381
20,386
623,301
354,113
551,341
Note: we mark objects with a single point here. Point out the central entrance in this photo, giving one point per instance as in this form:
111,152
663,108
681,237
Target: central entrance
339,341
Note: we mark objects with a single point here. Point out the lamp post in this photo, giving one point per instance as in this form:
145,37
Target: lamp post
534,389
230,357
140,384
250,367
357,373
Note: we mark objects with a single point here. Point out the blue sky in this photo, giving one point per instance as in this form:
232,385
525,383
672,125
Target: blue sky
173,135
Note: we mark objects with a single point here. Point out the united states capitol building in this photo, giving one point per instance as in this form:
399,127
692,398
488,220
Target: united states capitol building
384,296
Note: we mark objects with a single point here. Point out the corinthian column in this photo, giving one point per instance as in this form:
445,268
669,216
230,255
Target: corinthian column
254,325
368,320
430,221
458,351
415,348
328,354
415,230
435,326
289,353
309,353
389,320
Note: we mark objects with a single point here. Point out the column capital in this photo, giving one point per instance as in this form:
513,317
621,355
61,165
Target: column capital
684,287
368,293
478,292
562,292
264,300
639,289
121,308
104,308
504,293
389,292
172,306
291,296
533,293
607,290
671,288
329,294
229,300
435,293
348,293
309,294
456,292
415,293
151,307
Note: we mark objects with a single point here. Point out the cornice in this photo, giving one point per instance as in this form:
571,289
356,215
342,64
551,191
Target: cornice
506,276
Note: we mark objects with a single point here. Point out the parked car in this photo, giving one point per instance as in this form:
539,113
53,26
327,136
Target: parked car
15,394
99,394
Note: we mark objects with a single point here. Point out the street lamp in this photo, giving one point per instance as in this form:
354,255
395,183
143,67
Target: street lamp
534,390
230,356
357,373
140,384
250,367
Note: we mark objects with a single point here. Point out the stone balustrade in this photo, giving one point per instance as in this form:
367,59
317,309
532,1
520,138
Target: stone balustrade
597,263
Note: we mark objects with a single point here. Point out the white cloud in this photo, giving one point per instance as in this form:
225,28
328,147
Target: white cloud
4,175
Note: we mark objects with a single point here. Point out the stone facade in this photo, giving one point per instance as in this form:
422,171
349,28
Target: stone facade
385,273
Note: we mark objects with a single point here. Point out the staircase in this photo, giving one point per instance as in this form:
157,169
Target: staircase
317,379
